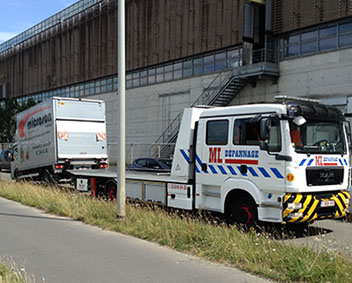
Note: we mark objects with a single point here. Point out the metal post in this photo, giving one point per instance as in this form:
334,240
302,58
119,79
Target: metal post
121,155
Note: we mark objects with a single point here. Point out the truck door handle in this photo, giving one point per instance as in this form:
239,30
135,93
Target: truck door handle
244,169
204,167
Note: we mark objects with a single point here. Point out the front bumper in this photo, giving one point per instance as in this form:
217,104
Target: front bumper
305,207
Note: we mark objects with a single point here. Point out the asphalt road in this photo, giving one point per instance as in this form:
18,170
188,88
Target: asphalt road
62,250
327,235
5,175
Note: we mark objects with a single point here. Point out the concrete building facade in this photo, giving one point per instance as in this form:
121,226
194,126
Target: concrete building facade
226,52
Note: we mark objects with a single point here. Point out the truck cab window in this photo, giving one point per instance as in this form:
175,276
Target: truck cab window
318,137
217,132
275,137
246,133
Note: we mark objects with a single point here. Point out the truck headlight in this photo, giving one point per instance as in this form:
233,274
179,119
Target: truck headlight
294,206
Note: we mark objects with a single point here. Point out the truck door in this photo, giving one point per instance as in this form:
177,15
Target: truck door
212,142
81,139
230,148
266,169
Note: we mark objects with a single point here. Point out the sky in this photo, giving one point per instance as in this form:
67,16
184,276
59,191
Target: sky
17,16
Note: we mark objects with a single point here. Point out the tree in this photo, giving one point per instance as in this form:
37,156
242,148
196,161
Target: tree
8,118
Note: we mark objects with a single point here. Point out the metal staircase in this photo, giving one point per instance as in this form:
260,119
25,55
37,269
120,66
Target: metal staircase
221,91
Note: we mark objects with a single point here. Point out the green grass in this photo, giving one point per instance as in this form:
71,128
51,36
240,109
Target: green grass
7,276
253,252
13,274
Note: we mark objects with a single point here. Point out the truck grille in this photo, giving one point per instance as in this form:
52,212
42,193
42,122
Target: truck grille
324,176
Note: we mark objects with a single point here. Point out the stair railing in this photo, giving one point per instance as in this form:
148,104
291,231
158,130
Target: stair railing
215,88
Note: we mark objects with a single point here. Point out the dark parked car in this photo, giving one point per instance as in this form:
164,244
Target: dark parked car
151,164
5,159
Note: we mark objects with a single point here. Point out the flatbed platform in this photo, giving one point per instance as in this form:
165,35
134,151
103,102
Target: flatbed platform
130,175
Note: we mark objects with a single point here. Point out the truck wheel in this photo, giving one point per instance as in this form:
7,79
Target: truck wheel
47,177
111,191
244,212
16,175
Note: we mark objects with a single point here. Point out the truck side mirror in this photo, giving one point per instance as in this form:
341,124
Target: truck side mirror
265,126
264,145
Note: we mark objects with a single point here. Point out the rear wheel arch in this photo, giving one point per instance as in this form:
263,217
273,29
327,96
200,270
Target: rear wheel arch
240,207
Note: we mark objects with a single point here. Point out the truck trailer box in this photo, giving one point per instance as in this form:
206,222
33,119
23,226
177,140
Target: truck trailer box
58,134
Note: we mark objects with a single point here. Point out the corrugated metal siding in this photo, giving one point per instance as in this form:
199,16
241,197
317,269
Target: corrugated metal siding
84,47
290,15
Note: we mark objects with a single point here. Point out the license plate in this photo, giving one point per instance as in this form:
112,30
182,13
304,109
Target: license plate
327,203
82,185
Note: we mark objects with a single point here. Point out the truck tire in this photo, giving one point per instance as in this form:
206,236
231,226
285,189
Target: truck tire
244,212
16,175
111,191
47,177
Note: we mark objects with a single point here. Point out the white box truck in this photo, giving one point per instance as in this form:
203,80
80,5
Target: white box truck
59,134
284,162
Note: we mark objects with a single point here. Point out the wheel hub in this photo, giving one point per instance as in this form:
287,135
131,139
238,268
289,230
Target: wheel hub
245,215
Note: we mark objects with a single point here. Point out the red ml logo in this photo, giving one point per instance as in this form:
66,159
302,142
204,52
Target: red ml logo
318,161
214,155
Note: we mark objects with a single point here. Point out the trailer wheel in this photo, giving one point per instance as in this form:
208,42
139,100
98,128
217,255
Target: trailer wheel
244,212
16,175
111,191
46,176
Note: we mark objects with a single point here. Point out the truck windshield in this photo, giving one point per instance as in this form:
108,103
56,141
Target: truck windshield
318,137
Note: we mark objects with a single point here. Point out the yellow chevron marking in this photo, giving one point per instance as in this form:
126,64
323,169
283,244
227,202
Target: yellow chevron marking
298,198
287,197
304,207
311,211
337,201
343,197
347,194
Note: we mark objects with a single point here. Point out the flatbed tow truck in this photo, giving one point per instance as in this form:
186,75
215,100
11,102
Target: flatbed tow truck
283,162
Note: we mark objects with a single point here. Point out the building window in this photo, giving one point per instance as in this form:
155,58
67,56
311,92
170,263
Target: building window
220,61
135,77
329,37
168,72
177,71
159,74
209,64
144,78
309,42
198,66
345,32
129,81
151,76
187,69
